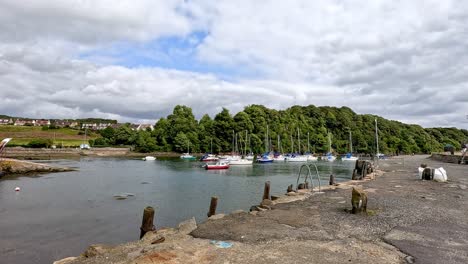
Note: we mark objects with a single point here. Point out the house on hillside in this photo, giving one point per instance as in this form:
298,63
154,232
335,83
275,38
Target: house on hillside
65,123
6,121
24,122
95,126
144,127
42,122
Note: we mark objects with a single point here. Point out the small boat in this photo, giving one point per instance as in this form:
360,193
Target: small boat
329,157
349,157
241,162
149,158
279,157
187,156
209,157
220,165
296,158
311,158
265,159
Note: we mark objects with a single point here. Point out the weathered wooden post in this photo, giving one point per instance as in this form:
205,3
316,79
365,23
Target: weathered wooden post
147,223
213,204
332,180
358,201
300,186
290,188
266,191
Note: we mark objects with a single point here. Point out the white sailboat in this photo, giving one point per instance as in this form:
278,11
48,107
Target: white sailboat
310,156
298,157
349,156
236,159
329,156
187,156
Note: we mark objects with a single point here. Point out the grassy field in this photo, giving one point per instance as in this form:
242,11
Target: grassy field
22,135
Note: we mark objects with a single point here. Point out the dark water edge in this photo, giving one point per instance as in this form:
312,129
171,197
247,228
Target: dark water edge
60,214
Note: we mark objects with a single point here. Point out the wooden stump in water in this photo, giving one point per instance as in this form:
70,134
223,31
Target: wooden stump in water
358,201
213,205
332,180
290,188
147,222
266,191
301,186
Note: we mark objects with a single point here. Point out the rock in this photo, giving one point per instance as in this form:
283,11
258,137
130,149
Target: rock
358,201
216,216
265,207
240,211
461,186
409,259
253,212
187,226
273,198
253,208
301,186
95,250
292,194
65,260
266,202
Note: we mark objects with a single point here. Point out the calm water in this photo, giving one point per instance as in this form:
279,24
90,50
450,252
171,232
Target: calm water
59,215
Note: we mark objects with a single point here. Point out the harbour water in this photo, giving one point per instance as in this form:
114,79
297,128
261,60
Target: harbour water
59,215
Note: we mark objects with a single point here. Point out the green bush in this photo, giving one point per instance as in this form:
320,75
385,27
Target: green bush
40,143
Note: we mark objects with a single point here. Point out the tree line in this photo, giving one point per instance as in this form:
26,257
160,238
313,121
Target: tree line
180,130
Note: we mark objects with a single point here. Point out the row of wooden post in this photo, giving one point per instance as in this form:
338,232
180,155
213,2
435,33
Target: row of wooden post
147,224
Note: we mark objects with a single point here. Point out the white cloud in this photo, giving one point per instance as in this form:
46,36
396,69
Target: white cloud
404,60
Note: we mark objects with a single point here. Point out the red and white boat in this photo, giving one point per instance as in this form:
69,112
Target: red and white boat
218,166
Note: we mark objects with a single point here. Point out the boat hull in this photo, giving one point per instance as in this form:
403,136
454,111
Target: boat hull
216,167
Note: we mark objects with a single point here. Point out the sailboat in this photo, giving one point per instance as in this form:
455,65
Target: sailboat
349,156
297,157
209,156
309,155
265,158
84,145
329,156
237,160
187,156
279,156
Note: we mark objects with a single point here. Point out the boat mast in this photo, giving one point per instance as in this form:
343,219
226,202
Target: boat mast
377,138
350,142
266,140
211,144
329,143
292,145
308,143
298,141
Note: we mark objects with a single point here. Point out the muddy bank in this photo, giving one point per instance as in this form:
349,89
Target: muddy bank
13,166
70,153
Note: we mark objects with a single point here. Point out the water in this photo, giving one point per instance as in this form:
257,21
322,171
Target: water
59,215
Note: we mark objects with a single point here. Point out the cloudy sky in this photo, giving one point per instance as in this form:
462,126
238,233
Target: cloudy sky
134,60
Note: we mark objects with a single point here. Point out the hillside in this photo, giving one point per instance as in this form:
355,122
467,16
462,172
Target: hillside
22,135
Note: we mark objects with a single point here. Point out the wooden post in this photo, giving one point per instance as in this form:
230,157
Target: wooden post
147,223
213,204
358,201
266,191
290,188
332,180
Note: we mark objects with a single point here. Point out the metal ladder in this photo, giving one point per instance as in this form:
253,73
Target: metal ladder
308,176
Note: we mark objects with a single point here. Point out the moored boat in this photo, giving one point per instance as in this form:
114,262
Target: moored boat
241,162
187,156
220,165
209,157
265,159
147,158
349,157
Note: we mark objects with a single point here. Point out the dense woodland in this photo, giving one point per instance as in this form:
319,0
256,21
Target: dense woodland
180,129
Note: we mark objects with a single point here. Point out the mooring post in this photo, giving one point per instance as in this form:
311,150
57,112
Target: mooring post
147,223
266,191
290,188
332,179
213,204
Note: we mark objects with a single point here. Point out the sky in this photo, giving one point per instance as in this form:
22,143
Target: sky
134,60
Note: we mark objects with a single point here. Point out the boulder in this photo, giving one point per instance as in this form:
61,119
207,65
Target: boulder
187,226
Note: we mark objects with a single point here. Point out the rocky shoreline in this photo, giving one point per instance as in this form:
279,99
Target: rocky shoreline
408,221
14,166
